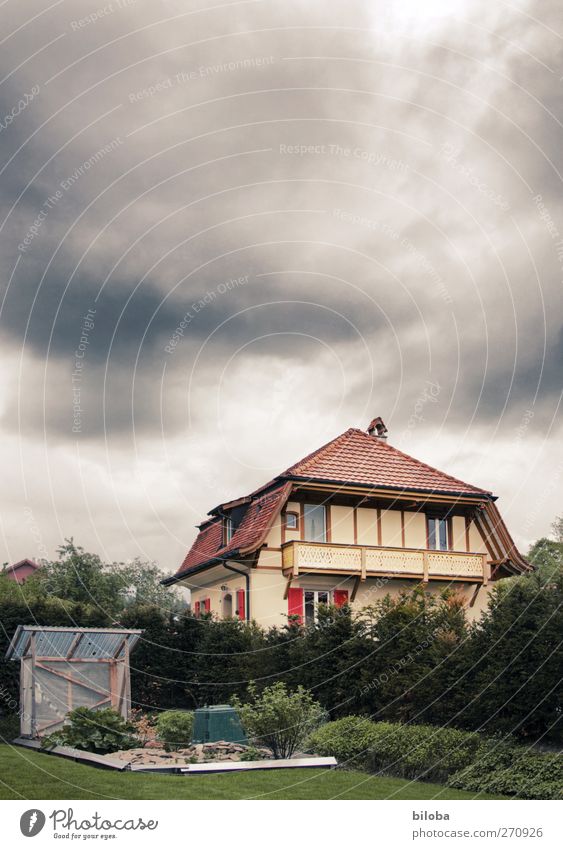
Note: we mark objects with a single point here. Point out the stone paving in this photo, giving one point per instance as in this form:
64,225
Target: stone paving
153,754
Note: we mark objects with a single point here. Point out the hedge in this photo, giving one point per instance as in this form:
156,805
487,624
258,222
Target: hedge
513,771
407,751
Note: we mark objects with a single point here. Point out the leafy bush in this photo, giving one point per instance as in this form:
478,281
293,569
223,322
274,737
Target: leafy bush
425,752
174,728
99,731
512,771
408,751
349,740
278,719
251,753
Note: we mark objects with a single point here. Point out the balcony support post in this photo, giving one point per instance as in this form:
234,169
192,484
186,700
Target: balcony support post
425,567
485,570
355,589
363,564
287,586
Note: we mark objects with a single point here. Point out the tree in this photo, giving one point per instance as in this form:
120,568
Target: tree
413,637
83,577
278,719
557,528
514,659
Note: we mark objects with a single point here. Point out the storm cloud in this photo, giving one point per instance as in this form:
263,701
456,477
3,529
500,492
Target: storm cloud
230,231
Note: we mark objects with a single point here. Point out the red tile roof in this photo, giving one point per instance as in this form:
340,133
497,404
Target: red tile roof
248,537
354,457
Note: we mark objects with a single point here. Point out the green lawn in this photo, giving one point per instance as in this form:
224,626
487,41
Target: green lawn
25,774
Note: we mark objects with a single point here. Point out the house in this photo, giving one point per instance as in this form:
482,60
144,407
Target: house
349,523
22,570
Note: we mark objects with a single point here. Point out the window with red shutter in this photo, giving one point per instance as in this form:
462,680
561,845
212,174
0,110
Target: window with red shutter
295,603
340,597
240,604
207,604
197,607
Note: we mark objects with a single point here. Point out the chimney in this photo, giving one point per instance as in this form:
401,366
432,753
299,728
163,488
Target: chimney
377,429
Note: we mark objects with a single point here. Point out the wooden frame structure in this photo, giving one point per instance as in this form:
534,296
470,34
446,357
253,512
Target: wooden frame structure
65,668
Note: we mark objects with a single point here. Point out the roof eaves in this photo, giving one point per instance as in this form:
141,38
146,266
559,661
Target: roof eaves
478,494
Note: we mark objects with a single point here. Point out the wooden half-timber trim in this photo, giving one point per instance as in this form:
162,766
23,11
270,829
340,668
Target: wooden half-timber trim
355,515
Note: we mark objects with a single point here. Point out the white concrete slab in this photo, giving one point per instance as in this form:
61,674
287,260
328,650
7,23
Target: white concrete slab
240,766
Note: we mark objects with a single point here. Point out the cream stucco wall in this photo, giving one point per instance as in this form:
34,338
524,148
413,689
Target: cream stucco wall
415,530
367,526
269,608
214,592
476,540
341,524
391,528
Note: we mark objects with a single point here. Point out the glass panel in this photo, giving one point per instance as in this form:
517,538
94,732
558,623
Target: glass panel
315,523
443,534
323,598
291,520
309,604
431,532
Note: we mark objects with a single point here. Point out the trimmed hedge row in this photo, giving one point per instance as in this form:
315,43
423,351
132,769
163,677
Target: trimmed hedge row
513,771
408,751
460,759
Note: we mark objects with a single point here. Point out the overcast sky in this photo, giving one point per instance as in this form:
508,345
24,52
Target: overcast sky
230,231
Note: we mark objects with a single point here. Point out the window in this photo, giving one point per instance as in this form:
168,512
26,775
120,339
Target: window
314,516
311,601
438,537
229,529
291,521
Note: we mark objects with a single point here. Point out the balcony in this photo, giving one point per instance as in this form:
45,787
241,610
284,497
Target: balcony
371,561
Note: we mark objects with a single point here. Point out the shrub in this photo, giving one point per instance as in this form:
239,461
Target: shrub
424,752
348,740
251,753
99,731
278,719
513,771
408,751
174,728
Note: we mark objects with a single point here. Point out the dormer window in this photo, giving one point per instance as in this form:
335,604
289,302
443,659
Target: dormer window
228,528
291,521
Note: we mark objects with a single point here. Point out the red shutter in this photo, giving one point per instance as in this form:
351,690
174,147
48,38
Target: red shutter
340,597
240,604
295,603
207,604
196,609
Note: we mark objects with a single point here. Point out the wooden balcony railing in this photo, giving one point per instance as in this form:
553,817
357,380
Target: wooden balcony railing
369,561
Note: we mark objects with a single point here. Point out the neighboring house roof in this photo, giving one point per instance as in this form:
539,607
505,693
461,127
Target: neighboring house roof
353,458
18,571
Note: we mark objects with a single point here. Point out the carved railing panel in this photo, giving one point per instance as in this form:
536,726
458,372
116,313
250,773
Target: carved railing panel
454,564
394,560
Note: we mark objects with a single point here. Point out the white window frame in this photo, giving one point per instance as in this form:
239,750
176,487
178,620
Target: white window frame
316,603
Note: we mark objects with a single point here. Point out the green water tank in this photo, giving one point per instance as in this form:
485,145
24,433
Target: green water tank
218,722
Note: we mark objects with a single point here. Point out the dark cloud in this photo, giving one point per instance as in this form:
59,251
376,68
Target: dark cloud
380,181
